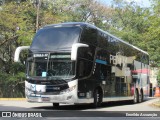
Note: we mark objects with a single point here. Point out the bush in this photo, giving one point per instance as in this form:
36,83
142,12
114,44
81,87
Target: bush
12,84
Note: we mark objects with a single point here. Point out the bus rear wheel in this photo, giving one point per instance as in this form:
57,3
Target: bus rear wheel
97,98
141,97
136,97
55,105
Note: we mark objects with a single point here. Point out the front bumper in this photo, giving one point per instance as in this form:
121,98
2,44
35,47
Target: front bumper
66,96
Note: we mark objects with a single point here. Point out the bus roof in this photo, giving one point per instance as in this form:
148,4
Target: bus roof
83,24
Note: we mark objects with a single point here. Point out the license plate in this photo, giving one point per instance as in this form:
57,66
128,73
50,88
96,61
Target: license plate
46,99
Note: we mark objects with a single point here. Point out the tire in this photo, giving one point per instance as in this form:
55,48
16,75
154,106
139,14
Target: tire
136,97
140,97
97,98
55,105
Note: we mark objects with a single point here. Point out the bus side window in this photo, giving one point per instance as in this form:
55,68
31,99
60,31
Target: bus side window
101,72
81,69
86,53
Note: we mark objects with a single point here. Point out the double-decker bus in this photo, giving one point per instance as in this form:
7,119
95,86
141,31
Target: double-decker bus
77,62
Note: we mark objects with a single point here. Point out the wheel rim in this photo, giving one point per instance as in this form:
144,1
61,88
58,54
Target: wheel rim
135,97
97,98
140,98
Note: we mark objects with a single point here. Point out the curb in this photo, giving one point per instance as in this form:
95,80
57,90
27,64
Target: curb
10,99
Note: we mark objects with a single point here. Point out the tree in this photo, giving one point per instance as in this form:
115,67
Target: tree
153,41
138,26
130,22
15,30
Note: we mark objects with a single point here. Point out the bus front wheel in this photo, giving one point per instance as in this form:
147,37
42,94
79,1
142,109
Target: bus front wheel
136,97
56,105
141,97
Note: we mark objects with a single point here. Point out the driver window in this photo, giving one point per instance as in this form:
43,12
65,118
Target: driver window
84,68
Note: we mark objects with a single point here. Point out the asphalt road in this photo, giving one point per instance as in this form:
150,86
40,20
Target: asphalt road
109,106
110,110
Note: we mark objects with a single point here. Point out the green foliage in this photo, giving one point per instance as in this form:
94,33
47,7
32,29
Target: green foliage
12,86
13,22
153,41
130,23
138,26
158,78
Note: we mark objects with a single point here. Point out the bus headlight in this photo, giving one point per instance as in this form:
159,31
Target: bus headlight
68,90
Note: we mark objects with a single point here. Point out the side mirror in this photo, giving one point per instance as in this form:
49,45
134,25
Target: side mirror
75,49
18,51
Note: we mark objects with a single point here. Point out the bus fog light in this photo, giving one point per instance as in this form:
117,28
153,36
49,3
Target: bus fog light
69,97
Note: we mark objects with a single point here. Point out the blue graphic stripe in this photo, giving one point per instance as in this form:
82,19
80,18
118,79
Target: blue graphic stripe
101,61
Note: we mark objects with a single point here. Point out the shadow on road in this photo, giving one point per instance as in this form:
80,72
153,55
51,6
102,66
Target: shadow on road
83,106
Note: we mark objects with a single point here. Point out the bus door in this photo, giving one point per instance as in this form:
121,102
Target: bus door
84,68
106,78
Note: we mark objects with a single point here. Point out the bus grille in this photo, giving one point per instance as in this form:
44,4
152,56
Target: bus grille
56,82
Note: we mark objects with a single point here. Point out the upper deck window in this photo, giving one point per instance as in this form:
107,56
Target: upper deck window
53,38
89,36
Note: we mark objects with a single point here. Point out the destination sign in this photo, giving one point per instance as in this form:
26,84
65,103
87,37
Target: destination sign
40,55
60,56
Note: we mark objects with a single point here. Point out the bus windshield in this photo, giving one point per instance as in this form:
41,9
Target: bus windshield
52,69
53,38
